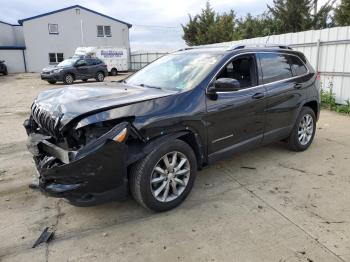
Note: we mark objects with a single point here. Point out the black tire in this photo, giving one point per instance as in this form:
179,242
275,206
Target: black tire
114,72
68,79
293,140
5,72
141,173
52,82
100,76
85,80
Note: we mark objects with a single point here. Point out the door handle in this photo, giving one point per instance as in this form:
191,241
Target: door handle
297,86
258,95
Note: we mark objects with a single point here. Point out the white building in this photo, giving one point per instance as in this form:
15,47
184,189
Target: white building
51,37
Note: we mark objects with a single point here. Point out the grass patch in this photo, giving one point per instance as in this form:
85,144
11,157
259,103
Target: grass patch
328,101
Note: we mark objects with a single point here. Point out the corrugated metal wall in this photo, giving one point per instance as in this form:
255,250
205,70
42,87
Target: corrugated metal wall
332,46
143,58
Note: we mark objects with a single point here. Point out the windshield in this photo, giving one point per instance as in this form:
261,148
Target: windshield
68,62
175,71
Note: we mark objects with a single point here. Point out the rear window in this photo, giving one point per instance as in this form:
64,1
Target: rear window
275,67
298,66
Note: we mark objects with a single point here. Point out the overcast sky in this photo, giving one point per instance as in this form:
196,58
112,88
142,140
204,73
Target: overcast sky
156,23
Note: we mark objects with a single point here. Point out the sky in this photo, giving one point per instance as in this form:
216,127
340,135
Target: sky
156,23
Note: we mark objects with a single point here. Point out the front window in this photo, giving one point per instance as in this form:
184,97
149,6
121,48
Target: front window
68,62
175,71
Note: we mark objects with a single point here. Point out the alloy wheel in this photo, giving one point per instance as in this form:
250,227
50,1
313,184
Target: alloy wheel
306,129
170,176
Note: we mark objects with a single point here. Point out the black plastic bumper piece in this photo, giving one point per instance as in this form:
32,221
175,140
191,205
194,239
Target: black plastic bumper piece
98,177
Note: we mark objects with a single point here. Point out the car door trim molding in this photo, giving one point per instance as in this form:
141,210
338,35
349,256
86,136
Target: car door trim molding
258,86
222,138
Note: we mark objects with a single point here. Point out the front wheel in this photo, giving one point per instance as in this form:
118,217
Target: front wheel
100,77
52,82
164,178
68,79
303,131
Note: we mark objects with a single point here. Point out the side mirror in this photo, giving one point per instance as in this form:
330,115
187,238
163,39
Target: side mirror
224,85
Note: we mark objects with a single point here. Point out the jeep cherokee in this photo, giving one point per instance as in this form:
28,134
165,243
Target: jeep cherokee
150,133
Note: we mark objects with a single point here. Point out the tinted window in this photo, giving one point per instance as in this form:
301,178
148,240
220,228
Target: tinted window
242,69
275,67
298,66
97,62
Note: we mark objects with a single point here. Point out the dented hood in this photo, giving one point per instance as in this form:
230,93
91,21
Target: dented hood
68,103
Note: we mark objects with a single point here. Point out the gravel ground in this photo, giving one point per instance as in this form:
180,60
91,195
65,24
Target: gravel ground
285,206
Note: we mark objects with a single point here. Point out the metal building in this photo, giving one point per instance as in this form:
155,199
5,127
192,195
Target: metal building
51,37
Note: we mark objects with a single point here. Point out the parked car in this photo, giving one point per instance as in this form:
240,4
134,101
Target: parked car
75,68
151,132
3,67
115,58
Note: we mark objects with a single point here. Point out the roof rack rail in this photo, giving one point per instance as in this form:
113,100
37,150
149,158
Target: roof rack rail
235,47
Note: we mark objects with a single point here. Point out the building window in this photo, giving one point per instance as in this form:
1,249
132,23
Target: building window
55,58
53,29
104,31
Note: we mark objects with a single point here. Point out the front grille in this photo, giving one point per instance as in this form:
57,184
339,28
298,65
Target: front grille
45,120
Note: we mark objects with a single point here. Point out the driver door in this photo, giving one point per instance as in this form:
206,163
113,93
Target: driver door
236,119
82,69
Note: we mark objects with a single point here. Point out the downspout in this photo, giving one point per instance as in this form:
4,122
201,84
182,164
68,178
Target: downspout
82,32
24,61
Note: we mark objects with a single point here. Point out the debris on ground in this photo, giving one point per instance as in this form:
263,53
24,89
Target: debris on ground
248,167
34,184
45,237
260,207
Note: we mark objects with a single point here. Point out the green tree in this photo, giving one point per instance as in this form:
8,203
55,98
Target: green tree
250,27
342,13
291,15
209,27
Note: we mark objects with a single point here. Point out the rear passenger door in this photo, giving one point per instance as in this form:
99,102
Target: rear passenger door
284,93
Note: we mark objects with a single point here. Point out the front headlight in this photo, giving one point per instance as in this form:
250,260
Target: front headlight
56,70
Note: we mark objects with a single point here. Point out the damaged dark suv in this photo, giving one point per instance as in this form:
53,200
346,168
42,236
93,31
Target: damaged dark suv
150,133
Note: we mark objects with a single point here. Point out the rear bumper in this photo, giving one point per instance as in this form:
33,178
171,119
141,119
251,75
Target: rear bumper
89,177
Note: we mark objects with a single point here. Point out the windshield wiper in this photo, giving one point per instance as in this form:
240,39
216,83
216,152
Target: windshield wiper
156,87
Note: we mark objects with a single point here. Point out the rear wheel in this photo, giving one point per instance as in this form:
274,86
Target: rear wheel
114,72
164,178
5,71
68,79
303,131
100,77
52,82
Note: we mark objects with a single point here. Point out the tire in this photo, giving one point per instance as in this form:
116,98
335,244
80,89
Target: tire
52,82
100,77
114,72
5,72
144,191
303,131
85,80
68,79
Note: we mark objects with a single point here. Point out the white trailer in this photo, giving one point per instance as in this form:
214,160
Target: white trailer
115,58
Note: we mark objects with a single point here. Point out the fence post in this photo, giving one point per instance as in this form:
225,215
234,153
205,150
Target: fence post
318,54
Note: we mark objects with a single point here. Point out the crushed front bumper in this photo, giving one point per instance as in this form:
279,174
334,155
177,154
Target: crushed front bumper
95,174
51,77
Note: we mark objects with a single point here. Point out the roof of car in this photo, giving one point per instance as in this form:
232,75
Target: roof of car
237,49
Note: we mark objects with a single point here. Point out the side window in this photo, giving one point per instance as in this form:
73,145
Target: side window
242,69
274,67
298,66
55,58
53,29
90,61
81,62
